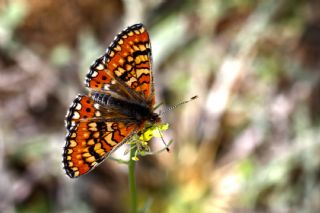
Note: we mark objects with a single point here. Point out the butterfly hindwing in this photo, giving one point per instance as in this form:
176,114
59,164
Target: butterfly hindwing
90,140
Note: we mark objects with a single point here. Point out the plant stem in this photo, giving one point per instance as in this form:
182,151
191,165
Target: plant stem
132,181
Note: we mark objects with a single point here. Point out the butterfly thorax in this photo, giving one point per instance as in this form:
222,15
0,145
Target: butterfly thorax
137,112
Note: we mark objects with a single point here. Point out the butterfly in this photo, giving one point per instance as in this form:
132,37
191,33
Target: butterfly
120,102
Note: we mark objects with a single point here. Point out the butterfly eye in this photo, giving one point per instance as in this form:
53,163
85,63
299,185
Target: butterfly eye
155,118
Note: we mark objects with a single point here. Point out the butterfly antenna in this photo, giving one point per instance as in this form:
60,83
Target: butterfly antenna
181,103
165,144
169,109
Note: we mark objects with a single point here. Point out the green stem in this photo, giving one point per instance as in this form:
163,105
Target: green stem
132,180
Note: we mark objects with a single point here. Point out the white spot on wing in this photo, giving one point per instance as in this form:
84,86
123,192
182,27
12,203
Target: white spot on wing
94,74
76,115
100,67
106,87
78,107
96,106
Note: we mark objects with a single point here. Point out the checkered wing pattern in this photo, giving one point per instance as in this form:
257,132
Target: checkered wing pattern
91,136
126,64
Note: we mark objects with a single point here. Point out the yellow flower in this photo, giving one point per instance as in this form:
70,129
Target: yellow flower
153,131
135,158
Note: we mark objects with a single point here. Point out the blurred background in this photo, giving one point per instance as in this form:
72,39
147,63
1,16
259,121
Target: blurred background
250,143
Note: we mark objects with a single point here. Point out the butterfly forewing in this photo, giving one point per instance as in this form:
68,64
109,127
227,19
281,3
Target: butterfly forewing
127,62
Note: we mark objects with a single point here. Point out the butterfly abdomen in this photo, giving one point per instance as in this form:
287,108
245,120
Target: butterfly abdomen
135,111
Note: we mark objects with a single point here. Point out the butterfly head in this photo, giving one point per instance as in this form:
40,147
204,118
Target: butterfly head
155,118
